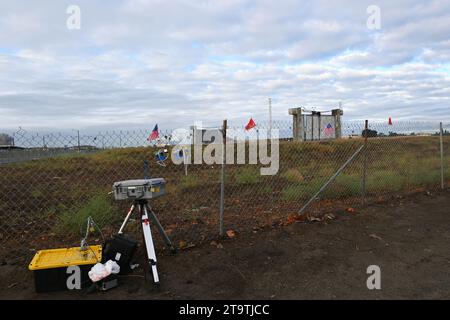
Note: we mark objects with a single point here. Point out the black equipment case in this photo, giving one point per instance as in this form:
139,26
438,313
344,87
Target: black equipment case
120,249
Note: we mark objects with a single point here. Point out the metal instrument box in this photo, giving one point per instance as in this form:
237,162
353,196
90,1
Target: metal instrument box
144,189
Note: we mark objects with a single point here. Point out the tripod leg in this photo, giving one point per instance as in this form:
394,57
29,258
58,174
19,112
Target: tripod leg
161,230
151,254
126,219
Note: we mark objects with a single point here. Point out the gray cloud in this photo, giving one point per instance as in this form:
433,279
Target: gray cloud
136,62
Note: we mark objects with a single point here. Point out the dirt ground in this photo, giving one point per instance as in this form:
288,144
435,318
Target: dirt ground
408,238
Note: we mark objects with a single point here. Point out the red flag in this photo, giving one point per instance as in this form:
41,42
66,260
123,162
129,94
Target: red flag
390,121
154,135
250,125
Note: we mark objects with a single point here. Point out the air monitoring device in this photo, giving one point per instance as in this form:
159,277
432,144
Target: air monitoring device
140,192
144,189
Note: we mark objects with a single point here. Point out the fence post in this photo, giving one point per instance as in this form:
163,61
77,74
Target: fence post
442,155
363,193
79,145
146,171
222,178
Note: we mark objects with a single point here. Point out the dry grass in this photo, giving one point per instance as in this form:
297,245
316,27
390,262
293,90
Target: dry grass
79,183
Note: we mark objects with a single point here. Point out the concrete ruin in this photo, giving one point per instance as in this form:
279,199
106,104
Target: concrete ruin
316,125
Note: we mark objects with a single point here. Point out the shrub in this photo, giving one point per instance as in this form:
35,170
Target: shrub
293,175
99,207
189,181
247,176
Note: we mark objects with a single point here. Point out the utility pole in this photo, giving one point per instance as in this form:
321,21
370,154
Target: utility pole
270,118
441,132
222,179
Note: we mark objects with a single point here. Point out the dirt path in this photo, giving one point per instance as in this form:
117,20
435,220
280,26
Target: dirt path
409,239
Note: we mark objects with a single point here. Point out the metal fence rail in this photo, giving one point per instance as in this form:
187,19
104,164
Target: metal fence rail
50,183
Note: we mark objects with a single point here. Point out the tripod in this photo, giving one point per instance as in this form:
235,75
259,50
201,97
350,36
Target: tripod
145,211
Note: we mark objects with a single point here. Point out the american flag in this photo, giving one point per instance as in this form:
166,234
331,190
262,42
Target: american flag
155,134
328,130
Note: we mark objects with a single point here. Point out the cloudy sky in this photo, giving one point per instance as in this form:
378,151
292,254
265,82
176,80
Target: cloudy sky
133,63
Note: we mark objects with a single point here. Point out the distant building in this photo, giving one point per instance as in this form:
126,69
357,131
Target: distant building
369,133
6,140
316,125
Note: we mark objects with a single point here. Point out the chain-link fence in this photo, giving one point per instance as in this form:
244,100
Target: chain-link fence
318,178
51,183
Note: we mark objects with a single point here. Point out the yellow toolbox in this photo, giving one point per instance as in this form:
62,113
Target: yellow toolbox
64,269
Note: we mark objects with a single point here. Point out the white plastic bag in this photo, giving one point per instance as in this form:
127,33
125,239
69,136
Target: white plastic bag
112,267
101,271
